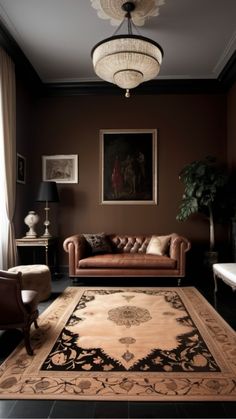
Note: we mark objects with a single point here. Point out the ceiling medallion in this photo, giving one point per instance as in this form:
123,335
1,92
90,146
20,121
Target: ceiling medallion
127,60
112,9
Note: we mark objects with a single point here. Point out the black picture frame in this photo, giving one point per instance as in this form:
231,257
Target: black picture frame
20,168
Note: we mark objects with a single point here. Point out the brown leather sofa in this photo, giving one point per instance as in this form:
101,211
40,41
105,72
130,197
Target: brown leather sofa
128,257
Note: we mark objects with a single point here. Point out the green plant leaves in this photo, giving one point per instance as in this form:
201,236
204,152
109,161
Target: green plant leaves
203,184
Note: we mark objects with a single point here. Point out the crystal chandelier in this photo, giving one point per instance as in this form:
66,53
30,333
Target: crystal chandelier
127,60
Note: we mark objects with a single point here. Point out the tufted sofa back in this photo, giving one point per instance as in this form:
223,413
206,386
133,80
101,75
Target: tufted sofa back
129,244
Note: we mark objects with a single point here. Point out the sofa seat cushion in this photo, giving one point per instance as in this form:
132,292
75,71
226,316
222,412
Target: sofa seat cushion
128,261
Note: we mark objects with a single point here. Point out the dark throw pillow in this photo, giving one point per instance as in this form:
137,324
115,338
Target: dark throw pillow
98,243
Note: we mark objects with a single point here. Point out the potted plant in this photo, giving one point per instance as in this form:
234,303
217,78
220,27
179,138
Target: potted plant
204,183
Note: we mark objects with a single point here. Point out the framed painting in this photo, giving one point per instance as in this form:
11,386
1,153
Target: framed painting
128,166
20,168
60,168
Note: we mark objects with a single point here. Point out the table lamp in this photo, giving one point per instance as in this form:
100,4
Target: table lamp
48,193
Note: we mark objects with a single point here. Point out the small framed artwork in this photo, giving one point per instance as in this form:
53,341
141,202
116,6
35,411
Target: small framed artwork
60,168
20,168
128,166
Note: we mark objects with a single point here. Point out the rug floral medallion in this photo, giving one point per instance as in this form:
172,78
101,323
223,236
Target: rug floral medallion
126,344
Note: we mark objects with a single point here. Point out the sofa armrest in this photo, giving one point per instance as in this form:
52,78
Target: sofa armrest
76,247
178,247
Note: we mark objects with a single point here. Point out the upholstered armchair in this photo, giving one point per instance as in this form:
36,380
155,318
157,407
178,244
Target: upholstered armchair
18,308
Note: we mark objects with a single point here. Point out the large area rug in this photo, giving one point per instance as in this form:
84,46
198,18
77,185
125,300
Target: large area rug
153,344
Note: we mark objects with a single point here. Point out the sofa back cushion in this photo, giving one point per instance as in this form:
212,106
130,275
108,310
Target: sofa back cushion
113,243
98,243
158,245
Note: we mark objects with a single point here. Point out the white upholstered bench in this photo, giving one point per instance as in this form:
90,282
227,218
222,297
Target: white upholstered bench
226,272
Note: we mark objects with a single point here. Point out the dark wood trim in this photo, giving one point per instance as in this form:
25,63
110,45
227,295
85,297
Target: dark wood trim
149,88
178,86
79,88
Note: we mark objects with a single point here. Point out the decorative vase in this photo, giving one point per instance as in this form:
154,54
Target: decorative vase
31,220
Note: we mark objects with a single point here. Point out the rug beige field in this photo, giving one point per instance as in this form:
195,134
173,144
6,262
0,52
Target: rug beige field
153,344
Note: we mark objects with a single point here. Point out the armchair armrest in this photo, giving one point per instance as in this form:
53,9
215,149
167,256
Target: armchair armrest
178,247
76,247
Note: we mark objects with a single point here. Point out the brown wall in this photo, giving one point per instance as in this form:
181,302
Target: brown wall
189,127
231,128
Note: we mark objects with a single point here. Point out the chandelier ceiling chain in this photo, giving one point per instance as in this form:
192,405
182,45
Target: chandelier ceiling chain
127,60
128,7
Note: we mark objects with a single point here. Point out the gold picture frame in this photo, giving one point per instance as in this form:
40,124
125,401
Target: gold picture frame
128,166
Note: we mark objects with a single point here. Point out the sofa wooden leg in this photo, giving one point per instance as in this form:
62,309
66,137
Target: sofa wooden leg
179,282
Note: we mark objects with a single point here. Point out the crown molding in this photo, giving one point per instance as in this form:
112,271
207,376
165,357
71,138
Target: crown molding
152,87
227,77
25,70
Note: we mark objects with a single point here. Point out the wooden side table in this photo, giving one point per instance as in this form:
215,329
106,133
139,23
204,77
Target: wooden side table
50,248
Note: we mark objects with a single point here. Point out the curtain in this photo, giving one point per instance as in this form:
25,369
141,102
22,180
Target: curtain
7,160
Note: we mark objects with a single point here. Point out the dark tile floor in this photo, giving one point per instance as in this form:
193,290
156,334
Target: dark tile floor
225,305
